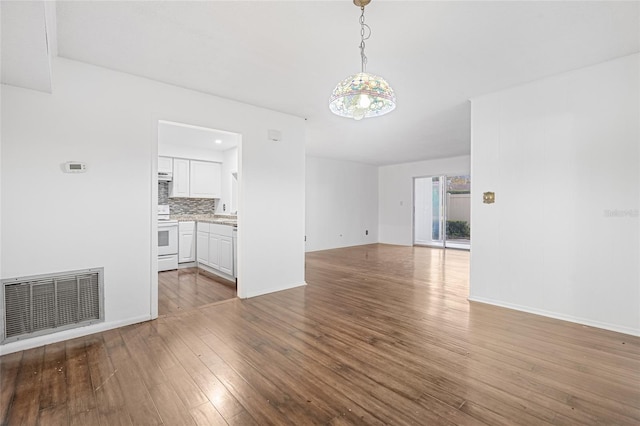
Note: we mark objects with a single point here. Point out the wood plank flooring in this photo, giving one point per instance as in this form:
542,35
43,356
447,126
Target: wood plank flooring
380,335
189,288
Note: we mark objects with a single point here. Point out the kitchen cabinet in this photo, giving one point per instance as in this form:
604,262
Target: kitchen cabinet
165,165
225,255
214,251
186,242
205,179
195,179
180,184
235,252
202,244
215,247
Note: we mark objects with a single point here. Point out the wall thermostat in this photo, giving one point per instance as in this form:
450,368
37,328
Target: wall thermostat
75,167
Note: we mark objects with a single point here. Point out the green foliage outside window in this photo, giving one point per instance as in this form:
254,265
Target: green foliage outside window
458,229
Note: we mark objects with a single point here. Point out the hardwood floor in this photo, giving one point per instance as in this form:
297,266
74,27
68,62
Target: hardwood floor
380,335
185,289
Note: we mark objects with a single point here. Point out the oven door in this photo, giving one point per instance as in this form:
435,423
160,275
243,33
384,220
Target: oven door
167,239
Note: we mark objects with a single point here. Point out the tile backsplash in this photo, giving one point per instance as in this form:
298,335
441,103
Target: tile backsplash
163,192
185,205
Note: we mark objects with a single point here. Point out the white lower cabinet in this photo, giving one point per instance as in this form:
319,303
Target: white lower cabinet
225,255
186,242
202,246
214,251
215,247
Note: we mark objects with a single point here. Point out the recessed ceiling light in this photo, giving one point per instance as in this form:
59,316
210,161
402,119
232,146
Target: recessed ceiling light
218,141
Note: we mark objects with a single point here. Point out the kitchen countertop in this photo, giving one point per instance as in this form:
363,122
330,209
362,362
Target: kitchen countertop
209,218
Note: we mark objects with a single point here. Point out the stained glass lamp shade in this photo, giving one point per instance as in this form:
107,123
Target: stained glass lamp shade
361,96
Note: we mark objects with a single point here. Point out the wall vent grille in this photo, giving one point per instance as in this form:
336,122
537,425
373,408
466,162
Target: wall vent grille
44,304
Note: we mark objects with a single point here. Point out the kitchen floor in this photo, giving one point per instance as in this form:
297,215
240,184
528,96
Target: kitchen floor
189,288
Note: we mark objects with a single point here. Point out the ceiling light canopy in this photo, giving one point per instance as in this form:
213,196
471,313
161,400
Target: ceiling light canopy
362,95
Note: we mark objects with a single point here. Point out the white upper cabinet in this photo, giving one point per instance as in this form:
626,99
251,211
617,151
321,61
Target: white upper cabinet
165,165
180,185
205,179
195,179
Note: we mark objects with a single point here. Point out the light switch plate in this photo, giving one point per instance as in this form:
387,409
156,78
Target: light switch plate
489,197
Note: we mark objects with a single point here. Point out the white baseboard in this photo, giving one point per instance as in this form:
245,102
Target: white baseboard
560,316
35,342
272,290
216,272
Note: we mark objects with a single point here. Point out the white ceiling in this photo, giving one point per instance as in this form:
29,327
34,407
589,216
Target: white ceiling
25,53
288,56
201,138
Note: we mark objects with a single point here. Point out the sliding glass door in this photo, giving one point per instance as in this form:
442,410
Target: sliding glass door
442,211
428,211
458,212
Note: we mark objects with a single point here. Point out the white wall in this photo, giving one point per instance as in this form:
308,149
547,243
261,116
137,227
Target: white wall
423,211
182,140
395,202
169,149
341,204
229,165
53,221
561,155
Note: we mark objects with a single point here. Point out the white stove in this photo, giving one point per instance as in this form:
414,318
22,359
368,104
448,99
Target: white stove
164,213
167,240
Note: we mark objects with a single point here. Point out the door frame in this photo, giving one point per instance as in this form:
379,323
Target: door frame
443,209
154,142
443,227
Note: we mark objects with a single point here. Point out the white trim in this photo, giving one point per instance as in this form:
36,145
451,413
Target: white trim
153,210
191,126
214,271
35,342
273,290
51,30
555,315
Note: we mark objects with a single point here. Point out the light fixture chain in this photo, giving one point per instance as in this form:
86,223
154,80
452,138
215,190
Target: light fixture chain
362,95
365,33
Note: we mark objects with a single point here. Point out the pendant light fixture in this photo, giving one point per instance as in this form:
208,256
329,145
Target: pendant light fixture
362,95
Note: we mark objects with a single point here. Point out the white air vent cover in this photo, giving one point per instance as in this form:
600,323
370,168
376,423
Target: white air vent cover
44,304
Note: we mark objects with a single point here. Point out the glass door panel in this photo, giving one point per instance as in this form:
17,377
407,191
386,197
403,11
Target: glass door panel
440,200
458,211
428,211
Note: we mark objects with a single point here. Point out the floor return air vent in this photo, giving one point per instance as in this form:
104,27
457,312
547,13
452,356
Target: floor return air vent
45,304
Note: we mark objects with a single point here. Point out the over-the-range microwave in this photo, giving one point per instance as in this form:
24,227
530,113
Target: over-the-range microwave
165,176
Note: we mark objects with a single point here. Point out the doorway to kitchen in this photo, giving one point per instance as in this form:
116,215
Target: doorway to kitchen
442,211
183,289
197,207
